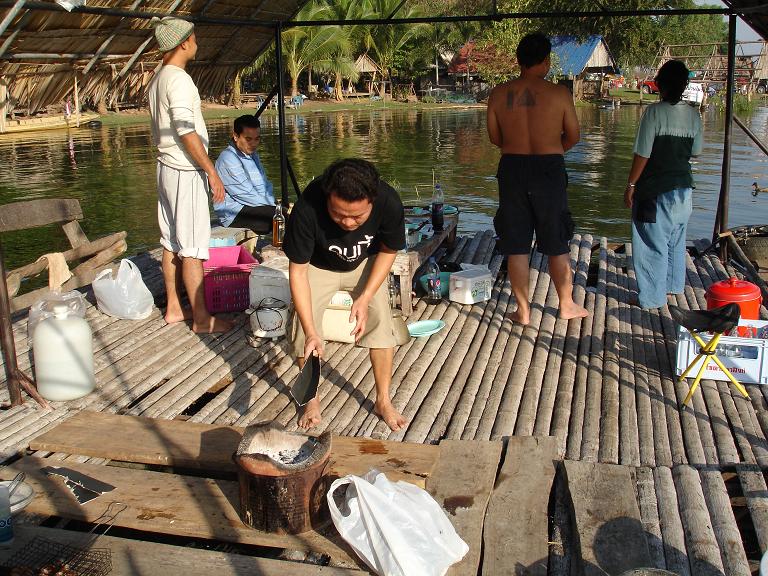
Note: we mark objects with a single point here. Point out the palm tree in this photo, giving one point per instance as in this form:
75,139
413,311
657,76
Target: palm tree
344,65
312,48
386,42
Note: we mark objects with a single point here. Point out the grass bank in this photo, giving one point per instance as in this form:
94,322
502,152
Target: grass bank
218,111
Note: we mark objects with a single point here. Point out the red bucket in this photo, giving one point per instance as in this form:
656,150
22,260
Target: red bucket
743,293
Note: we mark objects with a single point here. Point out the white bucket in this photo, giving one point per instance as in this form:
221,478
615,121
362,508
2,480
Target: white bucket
63,351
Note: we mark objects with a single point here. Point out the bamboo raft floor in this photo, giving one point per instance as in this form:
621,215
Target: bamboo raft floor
603,387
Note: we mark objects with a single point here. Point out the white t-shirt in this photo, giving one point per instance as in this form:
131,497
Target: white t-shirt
174,107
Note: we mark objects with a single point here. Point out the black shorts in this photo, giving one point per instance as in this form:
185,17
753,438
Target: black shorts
533,197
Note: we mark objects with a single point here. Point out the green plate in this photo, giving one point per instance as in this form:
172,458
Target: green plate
425,328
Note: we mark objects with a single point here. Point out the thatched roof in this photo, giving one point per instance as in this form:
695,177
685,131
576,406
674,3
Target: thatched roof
365,65
109,47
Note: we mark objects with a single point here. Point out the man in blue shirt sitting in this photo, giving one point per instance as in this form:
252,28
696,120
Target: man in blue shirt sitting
248,201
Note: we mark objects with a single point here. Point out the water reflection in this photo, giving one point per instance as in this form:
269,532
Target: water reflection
111,170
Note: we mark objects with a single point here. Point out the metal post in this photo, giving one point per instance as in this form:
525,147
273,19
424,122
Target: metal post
15,378
281,114
721,219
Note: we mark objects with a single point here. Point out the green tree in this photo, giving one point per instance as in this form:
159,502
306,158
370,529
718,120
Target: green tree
388,43
318,48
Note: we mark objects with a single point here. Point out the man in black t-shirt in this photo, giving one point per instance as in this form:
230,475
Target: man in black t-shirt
343,234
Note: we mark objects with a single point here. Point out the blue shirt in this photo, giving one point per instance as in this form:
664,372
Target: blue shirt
245,183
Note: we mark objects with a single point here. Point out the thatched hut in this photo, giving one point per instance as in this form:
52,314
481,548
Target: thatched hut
104,54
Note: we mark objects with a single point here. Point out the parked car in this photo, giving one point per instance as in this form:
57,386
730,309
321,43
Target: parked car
694,93
648,86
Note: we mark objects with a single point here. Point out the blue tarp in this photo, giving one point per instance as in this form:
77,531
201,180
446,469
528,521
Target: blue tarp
573,54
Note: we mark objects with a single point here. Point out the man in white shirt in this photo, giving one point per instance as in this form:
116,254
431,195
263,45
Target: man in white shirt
184,174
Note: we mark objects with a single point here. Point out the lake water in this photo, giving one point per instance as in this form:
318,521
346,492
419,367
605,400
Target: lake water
111,170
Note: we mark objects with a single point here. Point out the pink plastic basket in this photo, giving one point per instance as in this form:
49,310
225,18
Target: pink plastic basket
225,278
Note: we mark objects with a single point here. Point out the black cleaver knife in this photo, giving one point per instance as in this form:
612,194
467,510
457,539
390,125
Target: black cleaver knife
304,388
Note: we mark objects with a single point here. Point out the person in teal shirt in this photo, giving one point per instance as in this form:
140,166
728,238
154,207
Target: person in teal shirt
248,199
660,187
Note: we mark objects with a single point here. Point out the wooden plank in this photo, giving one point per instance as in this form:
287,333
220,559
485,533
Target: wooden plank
609,530
210,447
165,504
521,492
131,557
463,491
34,213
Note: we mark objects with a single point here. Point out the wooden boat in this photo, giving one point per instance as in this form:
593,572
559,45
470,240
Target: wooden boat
50,122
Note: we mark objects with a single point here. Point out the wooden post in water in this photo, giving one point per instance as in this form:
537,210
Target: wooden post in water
3,102
77,102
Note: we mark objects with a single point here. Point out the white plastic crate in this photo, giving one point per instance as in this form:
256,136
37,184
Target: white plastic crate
470,286
744,357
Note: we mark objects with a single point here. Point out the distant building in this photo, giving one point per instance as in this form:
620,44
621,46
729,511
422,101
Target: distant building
582,64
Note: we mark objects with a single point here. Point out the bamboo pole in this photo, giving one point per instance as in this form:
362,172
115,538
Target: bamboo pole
629,434
724,523
561,365
609,412
592,401
703,550
673,534
649,514
501,422
564,397
643,401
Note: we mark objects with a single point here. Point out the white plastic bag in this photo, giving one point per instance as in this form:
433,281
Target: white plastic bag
395,527
125,296
43,308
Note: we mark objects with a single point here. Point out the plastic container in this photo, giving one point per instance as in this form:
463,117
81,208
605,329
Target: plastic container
470,286
269,318
63,351
269,280
6,521
225,279
745,358
743,293
336,325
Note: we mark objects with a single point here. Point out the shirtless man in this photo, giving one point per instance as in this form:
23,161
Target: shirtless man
534,123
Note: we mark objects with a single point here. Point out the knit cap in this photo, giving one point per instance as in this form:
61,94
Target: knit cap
170,32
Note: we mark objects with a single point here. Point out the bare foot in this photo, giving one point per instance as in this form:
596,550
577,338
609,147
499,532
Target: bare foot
214,326
520,316
181,315
572,310
310,415
391,417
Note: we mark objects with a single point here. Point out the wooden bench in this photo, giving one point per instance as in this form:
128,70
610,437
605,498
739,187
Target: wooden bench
93,257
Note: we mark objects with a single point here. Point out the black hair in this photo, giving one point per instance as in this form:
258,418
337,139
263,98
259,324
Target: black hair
351,179
672,78
246,121
533,49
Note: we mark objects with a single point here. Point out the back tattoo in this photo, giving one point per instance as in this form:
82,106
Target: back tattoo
524,100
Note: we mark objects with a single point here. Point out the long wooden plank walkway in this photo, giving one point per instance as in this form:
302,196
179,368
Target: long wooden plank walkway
604,387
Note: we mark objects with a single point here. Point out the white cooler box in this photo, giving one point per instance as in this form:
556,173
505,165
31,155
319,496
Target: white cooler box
269,297
269,280
744,357
470,286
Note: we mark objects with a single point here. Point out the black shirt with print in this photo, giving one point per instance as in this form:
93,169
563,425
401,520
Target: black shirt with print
311,236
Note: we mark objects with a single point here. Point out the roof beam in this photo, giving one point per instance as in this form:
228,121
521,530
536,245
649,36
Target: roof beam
12,36
108,41
11,15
